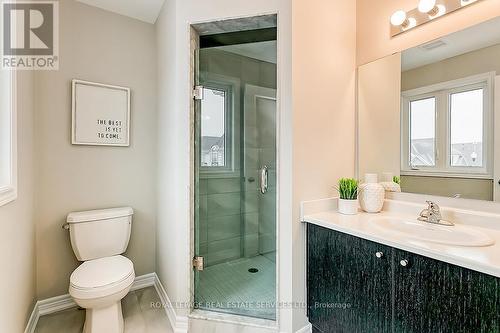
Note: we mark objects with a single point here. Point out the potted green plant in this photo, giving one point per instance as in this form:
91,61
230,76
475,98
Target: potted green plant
348,196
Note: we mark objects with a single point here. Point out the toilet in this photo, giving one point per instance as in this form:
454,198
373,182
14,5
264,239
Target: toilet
98,238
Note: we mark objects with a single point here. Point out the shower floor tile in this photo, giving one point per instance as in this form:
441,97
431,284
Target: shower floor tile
229,287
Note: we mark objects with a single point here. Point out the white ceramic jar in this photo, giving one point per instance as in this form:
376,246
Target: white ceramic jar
371,194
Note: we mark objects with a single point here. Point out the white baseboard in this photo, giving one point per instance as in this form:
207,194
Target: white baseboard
305,329
64,302
33,320
144,281
179,324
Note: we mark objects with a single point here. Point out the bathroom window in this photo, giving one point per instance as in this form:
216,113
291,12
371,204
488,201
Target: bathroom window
8,151
216,124
213,128
447,129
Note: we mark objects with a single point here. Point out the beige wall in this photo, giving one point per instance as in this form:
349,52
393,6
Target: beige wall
323,96
17,238
468,64
324,52
379,101
99,46
373,36
479,189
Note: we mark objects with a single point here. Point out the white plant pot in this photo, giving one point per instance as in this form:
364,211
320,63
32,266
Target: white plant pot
348,207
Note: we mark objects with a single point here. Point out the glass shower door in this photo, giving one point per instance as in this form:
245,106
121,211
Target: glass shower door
235,187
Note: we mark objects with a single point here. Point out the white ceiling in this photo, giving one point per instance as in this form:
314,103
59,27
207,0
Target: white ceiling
471,39
144,10
265,51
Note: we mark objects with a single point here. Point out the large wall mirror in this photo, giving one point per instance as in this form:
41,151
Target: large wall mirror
430,116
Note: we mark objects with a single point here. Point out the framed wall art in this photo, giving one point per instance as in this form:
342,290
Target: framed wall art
101,114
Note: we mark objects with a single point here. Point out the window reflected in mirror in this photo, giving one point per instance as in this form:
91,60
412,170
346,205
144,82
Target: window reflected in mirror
437,100
466,128
423,132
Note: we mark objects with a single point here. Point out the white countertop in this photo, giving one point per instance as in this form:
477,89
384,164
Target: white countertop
483,259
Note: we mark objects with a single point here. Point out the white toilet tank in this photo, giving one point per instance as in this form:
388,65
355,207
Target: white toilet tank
100,233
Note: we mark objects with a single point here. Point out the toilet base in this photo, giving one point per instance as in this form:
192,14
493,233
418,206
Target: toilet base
108,319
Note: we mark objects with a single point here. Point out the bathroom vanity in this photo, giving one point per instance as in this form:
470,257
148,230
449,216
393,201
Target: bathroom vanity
362,278
427,124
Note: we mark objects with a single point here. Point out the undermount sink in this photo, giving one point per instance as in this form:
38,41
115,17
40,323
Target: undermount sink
451,235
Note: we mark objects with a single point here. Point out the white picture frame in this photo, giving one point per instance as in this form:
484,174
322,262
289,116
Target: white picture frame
100,114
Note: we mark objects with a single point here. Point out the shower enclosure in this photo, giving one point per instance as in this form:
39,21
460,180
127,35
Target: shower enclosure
235,172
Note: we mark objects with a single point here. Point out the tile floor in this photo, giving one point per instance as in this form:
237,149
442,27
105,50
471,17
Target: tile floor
138,314
230,287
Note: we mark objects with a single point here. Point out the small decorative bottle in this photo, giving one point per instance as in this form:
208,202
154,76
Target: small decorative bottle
371,194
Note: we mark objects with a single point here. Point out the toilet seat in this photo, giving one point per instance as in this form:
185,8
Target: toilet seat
101,277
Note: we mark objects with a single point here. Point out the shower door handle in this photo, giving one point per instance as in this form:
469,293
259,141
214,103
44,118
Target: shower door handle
263,179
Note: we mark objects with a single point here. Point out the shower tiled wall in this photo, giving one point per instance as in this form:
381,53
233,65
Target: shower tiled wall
220,219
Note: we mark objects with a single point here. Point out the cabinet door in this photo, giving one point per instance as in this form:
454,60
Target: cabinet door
349,288
433,296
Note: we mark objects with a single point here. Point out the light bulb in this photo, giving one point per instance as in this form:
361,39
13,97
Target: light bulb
426,6
467,2
398,18
441,10
410,24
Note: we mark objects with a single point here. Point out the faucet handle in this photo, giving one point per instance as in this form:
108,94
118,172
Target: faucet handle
424,214
433,215
434,211
432,206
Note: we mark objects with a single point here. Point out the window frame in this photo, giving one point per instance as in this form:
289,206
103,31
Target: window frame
8,187
230,154
442,92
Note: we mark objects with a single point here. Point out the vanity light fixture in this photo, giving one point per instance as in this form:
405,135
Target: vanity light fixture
467,2
432,9
411,24
441,10
399,19
426,11
428,7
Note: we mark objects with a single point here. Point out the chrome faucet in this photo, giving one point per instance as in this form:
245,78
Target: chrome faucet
433,215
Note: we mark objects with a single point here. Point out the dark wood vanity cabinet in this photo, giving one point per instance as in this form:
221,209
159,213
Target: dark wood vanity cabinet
349,289
355,285
433,296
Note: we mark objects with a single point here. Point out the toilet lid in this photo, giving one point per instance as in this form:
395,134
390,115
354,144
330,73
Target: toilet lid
101,272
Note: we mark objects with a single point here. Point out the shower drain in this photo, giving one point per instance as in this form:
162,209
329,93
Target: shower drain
253,270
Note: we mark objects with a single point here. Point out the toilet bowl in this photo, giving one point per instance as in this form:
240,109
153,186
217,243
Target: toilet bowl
98,286
105,277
